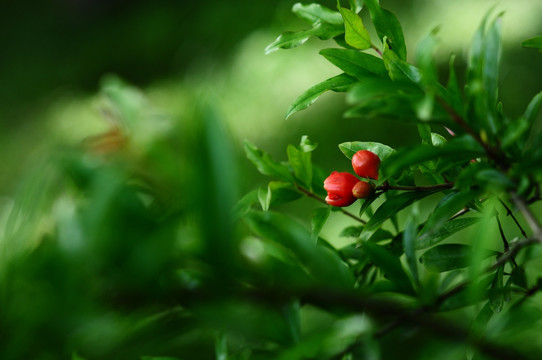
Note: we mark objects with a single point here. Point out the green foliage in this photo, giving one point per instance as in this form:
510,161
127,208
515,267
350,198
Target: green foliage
136,245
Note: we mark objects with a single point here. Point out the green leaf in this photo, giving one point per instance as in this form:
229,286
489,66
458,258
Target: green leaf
387,26
356,5
389,264
277,193
453,95
446,208
350,148
337,83
351,231
301,163
449,228
265,164
393,205
398,69
409,245
356,35
371,90
496,291
448,257
425,133
289,40
319,218
323,264
355,63
306,145
534,43
315,13
460,147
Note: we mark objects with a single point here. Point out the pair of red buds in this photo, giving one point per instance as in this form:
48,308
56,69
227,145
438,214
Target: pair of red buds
343,188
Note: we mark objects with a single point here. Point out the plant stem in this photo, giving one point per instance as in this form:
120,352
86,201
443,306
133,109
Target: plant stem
528,215
511,214
386,186
323,201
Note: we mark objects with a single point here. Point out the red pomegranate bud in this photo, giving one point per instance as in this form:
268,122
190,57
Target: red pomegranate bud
366,164
339,188
362,190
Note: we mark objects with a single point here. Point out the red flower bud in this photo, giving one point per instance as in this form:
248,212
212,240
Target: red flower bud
366,164
339,188
362,190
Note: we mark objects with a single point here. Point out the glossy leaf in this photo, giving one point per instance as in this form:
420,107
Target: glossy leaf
337,83
389,264
387,26
350,148
265,164
277,193
400,70
301,163
289,40
409,245
448,257
315,13
356,35
355,63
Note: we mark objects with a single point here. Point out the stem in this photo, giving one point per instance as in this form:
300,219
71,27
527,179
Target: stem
528,215
323,201
376,49
509,213
505,242
386,187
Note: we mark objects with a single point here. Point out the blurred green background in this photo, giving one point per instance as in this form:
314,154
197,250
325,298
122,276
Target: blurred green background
95,249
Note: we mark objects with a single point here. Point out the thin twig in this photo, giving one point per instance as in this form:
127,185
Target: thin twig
505,242
511,214
323,201
528,215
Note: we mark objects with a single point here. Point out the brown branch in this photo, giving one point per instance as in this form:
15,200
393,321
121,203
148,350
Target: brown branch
323,201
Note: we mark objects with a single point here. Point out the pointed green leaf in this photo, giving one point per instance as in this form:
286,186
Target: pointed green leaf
265,164
387,26
535,43
315,13
337,83
409,245
289,40
301,163
355,63
400,70
449,228
356,35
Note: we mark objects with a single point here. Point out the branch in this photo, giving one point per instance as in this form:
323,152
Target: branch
323,201
532,221
386,187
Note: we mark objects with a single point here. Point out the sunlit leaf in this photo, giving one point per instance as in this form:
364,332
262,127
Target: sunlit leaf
387,26
355,63
350,148
337,83
265,164
535,43
356,35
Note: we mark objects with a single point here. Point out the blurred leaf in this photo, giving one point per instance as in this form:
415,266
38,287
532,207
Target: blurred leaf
351,231
338,83
355,63
324,265
496,293
265,164
483,70
494,179
367,204
425,58
315,13
535,43
350,148
393,205
445,209
389,264
454,97
221,346
370,90
448,228
356,5
355,33
425,133
306,145
387,26
319,218
409,245
448,257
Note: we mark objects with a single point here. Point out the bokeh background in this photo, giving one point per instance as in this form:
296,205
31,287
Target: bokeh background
86,262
